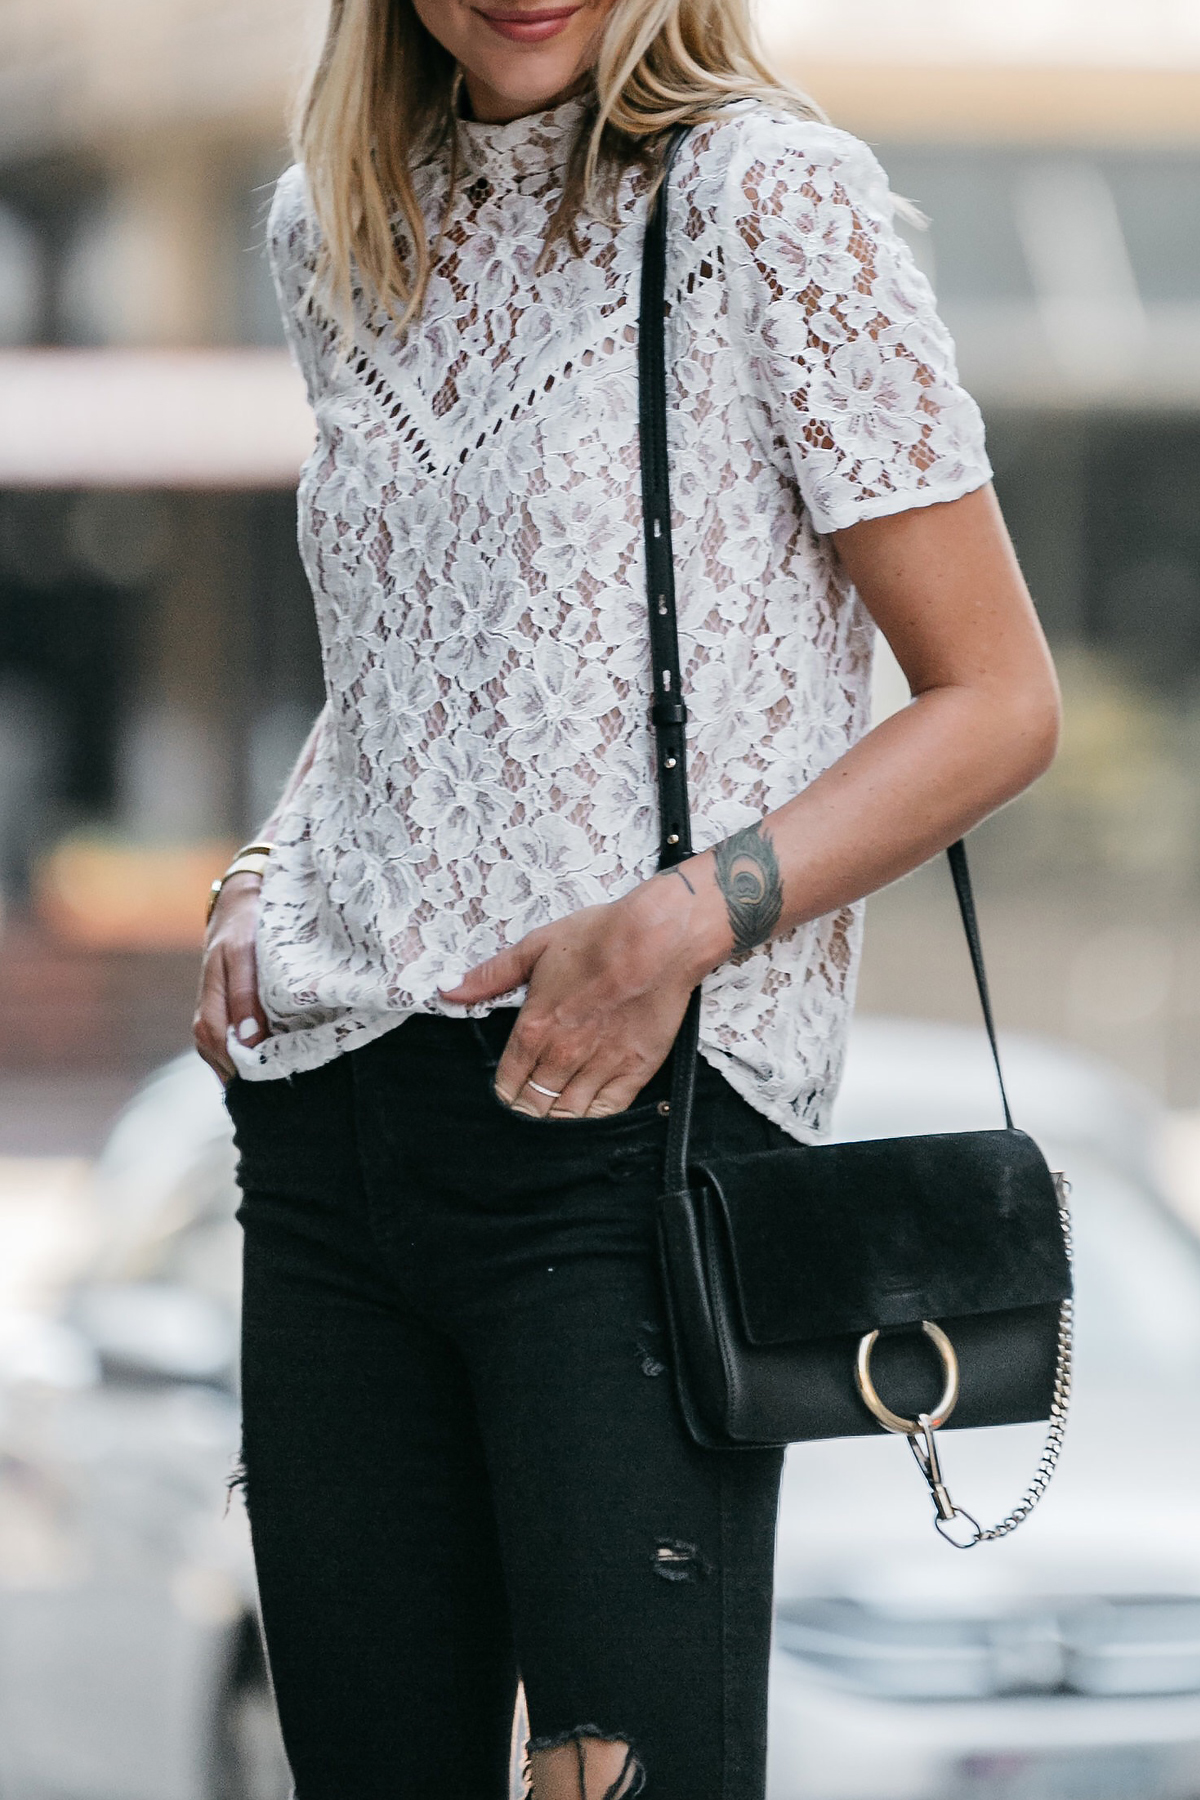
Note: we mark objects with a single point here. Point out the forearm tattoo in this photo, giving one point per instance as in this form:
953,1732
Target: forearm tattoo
747,874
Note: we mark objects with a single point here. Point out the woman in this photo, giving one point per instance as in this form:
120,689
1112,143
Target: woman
449,991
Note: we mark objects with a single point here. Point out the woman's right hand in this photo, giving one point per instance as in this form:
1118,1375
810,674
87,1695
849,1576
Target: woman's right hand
229,977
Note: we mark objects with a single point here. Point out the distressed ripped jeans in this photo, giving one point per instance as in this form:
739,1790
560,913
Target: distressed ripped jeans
463,1455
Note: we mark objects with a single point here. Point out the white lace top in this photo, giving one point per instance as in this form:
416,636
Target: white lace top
470,520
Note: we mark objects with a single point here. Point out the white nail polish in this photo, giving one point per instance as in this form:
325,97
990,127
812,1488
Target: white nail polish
247,1029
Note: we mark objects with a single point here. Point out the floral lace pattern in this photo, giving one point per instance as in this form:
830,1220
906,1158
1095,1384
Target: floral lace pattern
470,520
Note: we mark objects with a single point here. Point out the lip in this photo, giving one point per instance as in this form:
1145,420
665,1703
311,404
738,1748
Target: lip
529,27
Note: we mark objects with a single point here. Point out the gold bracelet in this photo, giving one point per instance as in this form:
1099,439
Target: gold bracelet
251,859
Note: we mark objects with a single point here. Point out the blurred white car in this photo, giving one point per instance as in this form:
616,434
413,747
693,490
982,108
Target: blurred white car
1060,1664
130,1666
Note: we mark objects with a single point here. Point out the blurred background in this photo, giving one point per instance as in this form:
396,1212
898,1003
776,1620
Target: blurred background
158,660
158,664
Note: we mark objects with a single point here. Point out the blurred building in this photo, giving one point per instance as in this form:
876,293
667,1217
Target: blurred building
157,656
146,527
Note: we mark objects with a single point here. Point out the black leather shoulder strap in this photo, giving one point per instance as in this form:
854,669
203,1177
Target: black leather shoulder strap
668,711
959,869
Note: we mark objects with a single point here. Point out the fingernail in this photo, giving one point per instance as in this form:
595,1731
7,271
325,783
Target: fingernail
248,1029
502,1097
526,1111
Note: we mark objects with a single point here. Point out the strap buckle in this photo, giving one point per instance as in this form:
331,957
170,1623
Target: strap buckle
669,712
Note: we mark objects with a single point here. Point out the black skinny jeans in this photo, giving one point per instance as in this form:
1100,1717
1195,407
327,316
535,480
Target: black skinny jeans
463,1453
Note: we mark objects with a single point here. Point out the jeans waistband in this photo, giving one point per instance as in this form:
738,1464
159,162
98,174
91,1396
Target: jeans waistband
473,1041
435,1033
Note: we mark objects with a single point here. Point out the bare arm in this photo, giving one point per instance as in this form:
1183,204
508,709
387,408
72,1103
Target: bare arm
607,987
944,587
228,974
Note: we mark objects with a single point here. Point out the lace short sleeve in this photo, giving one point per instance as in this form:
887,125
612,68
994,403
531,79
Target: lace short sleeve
844,347
289,251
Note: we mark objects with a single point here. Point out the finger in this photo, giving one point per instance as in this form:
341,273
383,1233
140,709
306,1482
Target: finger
242,1004
218,1062
542,1092
209,1040
528,1053
616,1097
212,1018
498,975
580,1092
549,1063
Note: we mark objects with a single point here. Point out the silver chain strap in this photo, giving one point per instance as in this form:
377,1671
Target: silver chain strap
924,1448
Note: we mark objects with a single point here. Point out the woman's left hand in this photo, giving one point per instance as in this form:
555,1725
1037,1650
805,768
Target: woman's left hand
607,989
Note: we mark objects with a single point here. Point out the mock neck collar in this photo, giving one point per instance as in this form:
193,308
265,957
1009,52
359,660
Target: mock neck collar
539,143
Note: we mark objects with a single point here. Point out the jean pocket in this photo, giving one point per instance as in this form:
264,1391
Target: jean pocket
646,1109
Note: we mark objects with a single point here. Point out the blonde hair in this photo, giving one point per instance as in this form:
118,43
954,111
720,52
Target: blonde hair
385,94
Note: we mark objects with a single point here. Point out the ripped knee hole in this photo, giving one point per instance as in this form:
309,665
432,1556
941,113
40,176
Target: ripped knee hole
623,1779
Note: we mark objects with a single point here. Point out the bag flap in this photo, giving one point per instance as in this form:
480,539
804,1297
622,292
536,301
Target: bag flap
843,1238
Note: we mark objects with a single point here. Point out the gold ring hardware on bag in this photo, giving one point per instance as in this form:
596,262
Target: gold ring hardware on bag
893,1421
919,1432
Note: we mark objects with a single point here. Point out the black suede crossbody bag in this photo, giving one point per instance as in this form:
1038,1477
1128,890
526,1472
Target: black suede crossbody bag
840,1290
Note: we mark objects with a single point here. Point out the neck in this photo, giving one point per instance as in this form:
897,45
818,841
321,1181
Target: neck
487,107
